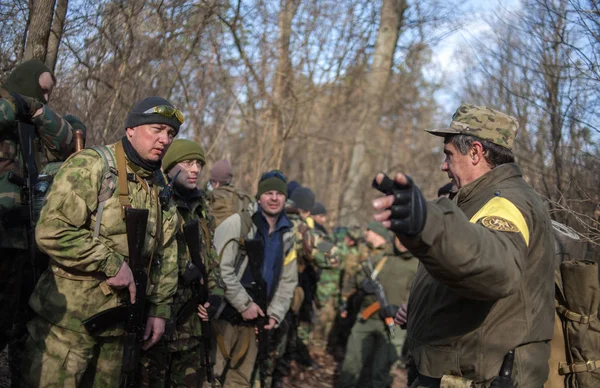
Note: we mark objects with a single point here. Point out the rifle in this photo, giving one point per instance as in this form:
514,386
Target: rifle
197,276
377,288
255,251
133,315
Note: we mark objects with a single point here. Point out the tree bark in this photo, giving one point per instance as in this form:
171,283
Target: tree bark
391,19
283,77
39,30
56,32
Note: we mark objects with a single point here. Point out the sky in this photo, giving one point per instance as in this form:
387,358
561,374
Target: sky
443,55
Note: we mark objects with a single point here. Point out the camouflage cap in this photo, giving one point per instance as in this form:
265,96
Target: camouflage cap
482,122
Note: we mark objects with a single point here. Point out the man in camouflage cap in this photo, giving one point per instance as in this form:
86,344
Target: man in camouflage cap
82,229
482,302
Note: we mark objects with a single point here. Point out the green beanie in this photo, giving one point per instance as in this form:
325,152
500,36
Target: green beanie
180,150
272,180
25,79
379,229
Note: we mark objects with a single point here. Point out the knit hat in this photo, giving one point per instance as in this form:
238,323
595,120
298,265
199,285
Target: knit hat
292,186
379,229
137,116
25,79
318,208
180,150
272,180
221,172
303,198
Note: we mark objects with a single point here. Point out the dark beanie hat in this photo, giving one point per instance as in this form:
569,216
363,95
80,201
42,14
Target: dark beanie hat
319,208
25,79
180,150
137,116
272,180
292,186
221,172
303,198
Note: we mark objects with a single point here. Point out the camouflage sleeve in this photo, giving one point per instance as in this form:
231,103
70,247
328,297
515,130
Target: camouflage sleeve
323,251
55,132
215,282
164,272
62,230
7,113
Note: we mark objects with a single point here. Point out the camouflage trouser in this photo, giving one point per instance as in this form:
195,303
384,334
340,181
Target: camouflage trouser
235,367
277,347
56,357
325,318
369,351
304,332
162,367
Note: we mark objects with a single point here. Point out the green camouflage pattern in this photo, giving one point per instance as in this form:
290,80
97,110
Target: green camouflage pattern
54,140
56,357
64,232
484,123
162,367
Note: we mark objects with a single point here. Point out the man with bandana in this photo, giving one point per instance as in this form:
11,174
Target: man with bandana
82,229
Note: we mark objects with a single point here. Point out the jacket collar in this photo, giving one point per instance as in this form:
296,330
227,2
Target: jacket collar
498,174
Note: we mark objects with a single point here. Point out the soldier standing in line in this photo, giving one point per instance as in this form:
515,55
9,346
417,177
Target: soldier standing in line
23,98
371,351
328,285
482,302
82,229
176,360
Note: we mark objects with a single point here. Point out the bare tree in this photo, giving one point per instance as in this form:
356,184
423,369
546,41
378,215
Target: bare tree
39,29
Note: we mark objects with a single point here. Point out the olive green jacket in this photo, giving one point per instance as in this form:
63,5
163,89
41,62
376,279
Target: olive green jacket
73,287
486,283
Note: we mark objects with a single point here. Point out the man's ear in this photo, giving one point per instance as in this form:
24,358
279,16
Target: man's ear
476,153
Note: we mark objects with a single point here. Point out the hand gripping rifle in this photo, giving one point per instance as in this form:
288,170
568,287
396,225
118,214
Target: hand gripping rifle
197,276
255,250
133,315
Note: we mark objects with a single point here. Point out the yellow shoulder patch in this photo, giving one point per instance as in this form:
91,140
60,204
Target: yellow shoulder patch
310,222
501,214
290,257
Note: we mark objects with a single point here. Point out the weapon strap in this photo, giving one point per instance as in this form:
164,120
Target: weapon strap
378,268
234,362
122,176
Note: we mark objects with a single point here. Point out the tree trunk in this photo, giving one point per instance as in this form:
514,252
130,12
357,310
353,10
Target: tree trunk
58,23
283,77
360,171
39,30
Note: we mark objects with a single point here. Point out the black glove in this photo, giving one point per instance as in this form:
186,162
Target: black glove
25,107
409,209
388,311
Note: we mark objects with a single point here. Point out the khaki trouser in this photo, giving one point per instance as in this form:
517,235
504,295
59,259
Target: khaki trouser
56,357
241,348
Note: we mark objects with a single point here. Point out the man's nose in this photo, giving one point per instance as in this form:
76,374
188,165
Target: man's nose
444,166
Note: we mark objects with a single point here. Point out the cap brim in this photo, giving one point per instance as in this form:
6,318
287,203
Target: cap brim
442,132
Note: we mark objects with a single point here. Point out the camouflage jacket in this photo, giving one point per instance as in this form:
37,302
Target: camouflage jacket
312,245
186,335
329,280
54,141
73,287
